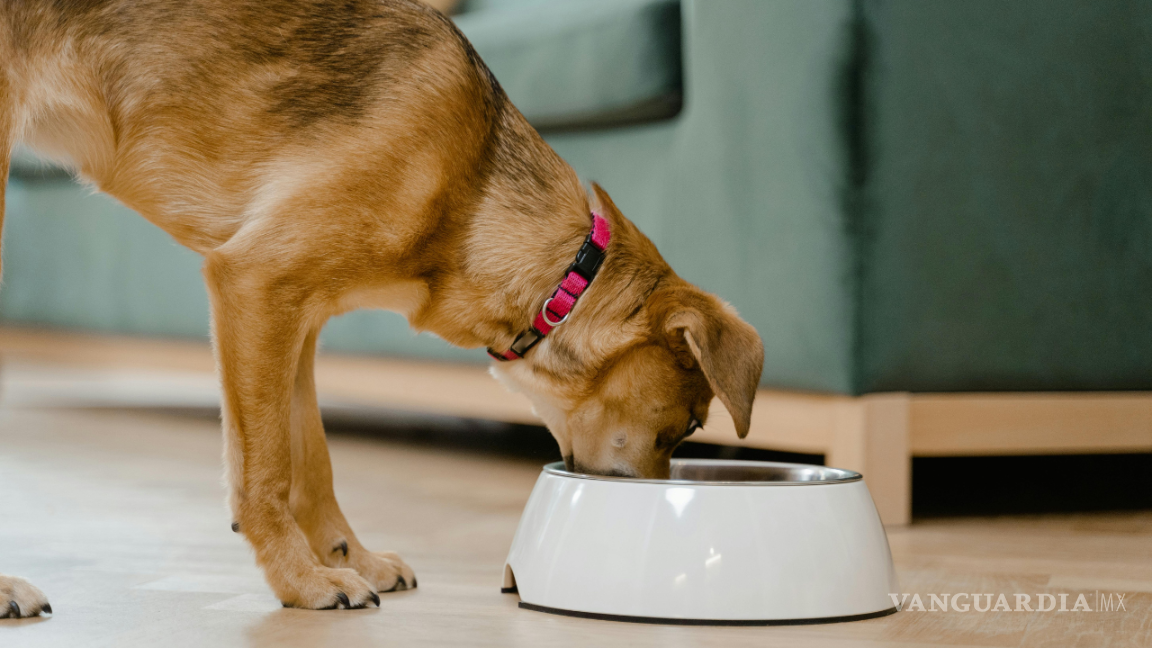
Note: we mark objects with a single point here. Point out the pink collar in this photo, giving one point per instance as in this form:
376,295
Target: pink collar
558,307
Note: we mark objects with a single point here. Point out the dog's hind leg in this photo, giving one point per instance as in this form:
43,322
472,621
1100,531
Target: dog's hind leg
260,313
313,501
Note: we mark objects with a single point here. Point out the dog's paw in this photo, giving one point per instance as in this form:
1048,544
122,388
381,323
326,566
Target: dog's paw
383,569
20,599
324,588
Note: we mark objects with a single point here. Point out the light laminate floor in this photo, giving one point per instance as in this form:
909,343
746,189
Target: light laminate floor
119,516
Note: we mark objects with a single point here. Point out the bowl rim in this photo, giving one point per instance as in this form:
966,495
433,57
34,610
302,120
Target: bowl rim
842,476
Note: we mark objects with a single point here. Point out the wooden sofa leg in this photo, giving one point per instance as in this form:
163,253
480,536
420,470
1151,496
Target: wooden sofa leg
871,437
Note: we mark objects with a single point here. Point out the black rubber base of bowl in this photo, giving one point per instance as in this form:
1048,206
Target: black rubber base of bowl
707,622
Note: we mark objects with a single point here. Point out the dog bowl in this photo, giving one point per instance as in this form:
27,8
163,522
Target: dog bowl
721,542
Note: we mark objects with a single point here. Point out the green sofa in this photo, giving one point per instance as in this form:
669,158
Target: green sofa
899,195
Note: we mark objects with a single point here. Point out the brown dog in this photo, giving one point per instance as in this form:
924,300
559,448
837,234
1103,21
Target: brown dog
324,156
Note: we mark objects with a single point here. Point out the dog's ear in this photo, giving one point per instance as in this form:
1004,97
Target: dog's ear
727,349
603,202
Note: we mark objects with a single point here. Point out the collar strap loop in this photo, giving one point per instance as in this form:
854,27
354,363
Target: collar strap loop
558,306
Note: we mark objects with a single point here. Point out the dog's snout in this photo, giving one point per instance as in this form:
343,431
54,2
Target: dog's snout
617,473
574,466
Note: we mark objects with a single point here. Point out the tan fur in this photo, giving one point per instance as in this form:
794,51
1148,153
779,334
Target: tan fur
324,156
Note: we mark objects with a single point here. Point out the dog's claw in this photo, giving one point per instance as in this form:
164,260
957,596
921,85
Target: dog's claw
343,598
375,598
343,546
235,527
413,582
15,610
46,609
400,585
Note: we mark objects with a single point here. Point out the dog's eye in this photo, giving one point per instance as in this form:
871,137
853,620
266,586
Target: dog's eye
693,425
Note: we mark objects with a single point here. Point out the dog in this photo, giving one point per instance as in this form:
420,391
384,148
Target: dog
324,156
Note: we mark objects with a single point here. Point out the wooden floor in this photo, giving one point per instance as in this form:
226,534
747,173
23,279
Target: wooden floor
118,514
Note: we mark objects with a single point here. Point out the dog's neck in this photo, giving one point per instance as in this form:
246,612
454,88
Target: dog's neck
606,314
538,262
513,238
518,235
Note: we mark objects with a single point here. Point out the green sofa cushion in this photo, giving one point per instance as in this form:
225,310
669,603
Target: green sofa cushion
582,63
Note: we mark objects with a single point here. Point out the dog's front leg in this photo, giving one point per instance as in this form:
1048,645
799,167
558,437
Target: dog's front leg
260,322
313,502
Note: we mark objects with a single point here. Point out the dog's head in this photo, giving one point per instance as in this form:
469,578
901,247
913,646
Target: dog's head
634,371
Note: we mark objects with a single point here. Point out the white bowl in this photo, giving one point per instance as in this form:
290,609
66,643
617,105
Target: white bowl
722,542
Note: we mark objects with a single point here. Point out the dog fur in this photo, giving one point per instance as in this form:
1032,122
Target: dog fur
329,155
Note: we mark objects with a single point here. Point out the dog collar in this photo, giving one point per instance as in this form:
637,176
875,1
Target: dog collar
558,306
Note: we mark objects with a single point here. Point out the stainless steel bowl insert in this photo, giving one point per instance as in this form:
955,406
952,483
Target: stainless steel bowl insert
720,472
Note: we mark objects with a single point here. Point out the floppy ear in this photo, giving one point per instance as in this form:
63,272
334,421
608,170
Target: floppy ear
727,349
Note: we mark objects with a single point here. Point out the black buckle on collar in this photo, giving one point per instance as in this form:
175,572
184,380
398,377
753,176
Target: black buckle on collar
588,259
526,340
521,345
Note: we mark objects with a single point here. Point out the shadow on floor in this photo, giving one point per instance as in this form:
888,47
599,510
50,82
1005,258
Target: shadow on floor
950,486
